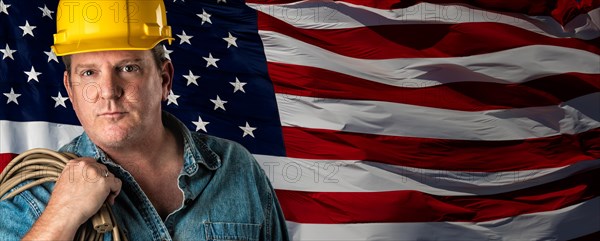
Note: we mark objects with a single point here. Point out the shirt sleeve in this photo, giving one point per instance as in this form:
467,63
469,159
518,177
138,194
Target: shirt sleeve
277,226
20,212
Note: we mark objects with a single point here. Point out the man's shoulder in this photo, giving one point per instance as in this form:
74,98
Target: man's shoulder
217,143
81,145
230,154
71,146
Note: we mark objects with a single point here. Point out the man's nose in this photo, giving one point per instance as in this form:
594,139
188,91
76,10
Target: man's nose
111,87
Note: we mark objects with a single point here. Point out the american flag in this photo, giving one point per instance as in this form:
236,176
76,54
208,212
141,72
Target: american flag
374,120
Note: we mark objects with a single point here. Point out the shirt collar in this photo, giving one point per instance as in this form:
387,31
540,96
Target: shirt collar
194,150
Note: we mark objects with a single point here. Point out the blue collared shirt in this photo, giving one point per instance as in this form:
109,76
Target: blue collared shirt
227,196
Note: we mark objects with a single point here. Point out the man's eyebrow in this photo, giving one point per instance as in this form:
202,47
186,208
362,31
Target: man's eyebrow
120,63
129,61
84,66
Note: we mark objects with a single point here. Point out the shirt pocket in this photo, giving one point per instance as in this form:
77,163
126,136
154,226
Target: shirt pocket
232,231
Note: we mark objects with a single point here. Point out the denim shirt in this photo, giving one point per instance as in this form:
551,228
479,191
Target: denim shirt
227,196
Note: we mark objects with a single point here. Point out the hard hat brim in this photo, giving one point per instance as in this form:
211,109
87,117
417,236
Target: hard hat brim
105,45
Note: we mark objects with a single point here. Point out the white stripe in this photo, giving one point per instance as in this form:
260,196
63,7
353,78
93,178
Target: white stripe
327,175
585,26
341,15
393,119
17,137
359,176
563,224
515,65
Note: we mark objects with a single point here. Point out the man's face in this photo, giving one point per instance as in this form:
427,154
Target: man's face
117,95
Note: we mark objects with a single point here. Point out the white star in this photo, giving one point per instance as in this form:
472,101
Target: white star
172,98
247,130
184,38
60,100
27,29
51,55
46,12
4,7
167,52
219,103
218,1
211,61
191,78
230,40
7,52
200,125
12,97
205,17
32,75
237,85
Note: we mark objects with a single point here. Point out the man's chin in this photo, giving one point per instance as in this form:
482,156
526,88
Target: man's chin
114,135
109,139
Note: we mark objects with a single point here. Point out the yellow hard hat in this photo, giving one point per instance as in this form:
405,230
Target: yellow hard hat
99,25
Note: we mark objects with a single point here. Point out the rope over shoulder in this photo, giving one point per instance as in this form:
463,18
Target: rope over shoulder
43,165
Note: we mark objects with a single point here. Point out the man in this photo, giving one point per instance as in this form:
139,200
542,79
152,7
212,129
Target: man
163,181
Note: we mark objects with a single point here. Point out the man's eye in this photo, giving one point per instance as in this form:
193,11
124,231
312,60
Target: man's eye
130,68
87,73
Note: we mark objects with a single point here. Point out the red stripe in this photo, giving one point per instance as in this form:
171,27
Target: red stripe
413,206
438,154
532,7
410,41
563,10
466,96
5,158
381,4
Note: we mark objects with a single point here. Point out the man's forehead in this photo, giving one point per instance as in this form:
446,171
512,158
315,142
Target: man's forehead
116,56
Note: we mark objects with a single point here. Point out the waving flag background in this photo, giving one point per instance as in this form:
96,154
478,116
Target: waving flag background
375,120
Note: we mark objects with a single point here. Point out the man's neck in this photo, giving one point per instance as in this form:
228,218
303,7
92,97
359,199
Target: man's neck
152,152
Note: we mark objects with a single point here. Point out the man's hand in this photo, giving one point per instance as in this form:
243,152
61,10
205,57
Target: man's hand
82,188
78,194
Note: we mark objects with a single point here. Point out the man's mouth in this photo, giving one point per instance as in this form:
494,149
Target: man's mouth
113,114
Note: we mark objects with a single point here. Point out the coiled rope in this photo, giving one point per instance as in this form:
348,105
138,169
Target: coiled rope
44,165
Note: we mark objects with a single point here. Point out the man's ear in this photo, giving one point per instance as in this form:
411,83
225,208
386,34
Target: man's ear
67,84
166,74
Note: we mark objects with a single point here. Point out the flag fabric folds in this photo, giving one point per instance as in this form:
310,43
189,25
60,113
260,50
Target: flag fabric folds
374,120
